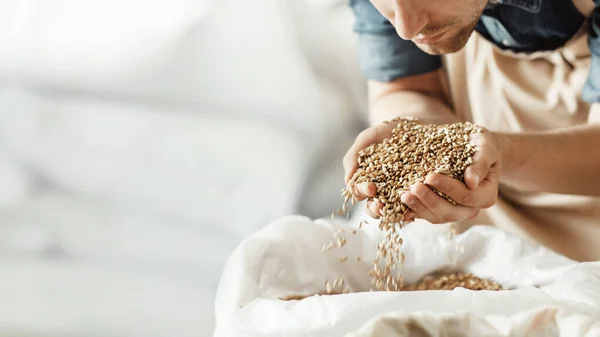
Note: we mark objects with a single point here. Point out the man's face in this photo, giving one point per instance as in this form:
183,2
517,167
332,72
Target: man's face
435,26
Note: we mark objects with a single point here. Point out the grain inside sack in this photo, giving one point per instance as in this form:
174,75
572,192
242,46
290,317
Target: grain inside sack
451,281
431,282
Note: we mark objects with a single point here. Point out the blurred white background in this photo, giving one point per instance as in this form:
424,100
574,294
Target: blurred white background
140,141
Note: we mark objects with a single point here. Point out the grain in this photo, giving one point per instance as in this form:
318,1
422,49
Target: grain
327,247
331,288
296,297
412,152
432,282
452,281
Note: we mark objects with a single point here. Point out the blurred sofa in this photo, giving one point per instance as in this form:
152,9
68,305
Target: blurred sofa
140,141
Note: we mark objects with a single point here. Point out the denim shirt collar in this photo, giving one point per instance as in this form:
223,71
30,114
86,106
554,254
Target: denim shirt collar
532,6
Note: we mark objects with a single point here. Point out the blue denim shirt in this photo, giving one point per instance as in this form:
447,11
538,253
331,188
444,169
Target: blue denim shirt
518,25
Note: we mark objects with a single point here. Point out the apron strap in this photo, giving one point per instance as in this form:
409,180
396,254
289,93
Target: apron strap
586,7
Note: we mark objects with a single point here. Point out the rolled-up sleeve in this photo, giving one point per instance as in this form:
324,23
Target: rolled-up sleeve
384,56
591,90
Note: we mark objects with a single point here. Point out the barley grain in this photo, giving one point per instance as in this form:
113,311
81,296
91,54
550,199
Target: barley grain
451,281
397,163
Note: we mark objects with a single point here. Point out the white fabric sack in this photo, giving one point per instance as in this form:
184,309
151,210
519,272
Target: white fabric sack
286,258
539,322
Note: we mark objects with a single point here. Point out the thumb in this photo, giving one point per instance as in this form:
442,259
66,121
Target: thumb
476,172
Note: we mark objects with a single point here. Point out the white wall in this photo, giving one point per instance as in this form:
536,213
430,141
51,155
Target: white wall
141,140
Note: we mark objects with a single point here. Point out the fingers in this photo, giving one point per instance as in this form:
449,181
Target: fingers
482,197
456,190
368,137
409,216
350,165
474,215
368,190
428,205
475,173
485,156
374,209
364,190
417,208
489,188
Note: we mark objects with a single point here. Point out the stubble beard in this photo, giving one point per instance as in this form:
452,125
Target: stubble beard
454,43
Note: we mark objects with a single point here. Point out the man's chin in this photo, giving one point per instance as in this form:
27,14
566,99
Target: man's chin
448,45
440,48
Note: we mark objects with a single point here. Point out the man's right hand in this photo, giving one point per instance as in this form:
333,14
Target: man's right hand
418,96
362,191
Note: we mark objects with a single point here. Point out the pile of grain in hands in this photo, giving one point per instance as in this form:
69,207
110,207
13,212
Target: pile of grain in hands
394,165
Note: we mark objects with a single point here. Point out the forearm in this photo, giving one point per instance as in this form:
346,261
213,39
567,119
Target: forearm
419,96
410,104
564,161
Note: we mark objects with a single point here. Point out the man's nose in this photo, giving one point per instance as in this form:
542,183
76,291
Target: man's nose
409,19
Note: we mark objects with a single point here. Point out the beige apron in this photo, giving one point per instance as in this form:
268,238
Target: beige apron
519,92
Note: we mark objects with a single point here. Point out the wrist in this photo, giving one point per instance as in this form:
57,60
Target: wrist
505,150
515,153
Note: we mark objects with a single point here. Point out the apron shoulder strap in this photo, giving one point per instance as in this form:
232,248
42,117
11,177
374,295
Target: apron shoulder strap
586,7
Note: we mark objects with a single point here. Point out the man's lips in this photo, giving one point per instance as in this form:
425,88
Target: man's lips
430,39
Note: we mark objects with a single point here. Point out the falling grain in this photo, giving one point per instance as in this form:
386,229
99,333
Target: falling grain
397,163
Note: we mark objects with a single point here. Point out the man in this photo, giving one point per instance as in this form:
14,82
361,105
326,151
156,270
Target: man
528,71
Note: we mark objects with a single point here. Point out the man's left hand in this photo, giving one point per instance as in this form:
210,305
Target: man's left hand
479,191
